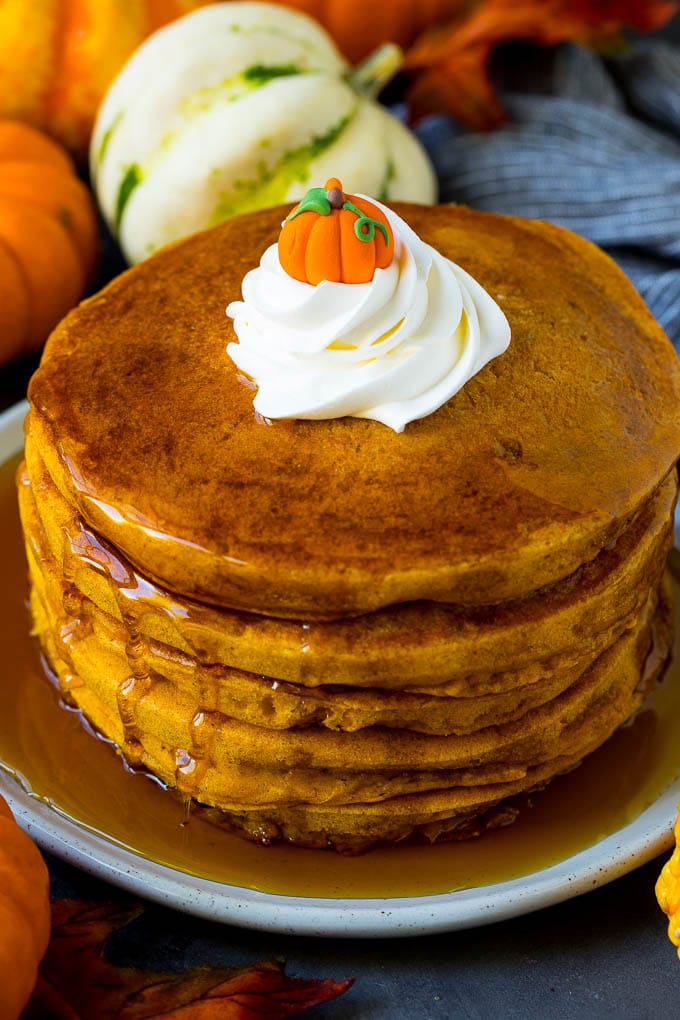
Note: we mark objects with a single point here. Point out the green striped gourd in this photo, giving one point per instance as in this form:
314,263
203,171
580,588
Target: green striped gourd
236,107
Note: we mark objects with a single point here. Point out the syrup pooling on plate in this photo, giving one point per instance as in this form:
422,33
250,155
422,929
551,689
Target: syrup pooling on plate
81,775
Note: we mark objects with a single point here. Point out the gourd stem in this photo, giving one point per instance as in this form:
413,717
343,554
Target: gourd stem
370,76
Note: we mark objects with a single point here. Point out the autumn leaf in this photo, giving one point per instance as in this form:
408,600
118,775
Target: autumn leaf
451,62
78,982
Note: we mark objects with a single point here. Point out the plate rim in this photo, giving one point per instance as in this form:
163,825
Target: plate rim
648,835
612,857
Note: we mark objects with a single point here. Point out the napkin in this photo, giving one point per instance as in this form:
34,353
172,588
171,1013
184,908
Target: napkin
590,144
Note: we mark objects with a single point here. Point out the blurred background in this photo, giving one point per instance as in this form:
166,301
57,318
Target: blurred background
567,111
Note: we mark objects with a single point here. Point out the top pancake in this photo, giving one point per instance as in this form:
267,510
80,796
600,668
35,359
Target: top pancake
535,465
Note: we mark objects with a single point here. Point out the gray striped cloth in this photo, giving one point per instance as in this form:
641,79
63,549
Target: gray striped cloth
591,145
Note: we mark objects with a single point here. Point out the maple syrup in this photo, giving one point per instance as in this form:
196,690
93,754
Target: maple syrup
47,748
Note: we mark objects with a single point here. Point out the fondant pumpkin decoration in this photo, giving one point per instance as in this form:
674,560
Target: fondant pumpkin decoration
237,107
49,238
25,913
336,237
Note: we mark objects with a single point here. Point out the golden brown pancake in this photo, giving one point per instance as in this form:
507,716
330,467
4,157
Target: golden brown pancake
314,792
428,647
270,701
148,428
335,634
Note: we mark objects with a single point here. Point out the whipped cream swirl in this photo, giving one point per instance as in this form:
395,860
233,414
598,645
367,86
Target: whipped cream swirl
394,349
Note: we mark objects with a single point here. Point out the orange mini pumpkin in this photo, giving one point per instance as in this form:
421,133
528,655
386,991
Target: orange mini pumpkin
336,237
49,237
57,59
25,914
358,29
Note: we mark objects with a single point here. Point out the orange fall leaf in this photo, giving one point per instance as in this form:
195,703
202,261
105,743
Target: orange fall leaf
79,983
450,63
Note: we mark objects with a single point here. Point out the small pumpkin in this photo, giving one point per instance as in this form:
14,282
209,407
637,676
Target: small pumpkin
24,914
333,236
58,59
74,51
48,237
237,107
359,29
668,890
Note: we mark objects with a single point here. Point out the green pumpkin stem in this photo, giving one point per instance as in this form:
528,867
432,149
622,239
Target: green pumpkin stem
371,76
316,200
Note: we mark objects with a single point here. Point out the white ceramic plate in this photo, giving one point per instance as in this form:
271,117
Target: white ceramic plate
634,844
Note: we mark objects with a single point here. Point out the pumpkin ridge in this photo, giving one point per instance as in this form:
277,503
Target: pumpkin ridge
358,260
15,308
54,274
19,141
16,260
238,85
105,139
253,190
277,31
295,246
262,74
323,251
131,178
229,90
383,192
49,237
59,193
61,26
25,40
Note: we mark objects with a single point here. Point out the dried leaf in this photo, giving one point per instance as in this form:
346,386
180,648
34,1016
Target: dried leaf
46,1001
79,983
451,62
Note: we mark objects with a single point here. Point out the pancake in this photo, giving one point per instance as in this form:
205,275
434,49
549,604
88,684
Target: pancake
326,632
291,787
424,647
475,504
269,701
157,709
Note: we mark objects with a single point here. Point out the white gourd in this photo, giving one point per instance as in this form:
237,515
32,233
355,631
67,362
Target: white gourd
236,107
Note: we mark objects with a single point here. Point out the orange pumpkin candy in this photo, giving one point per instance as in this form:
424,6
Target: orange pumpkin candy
49,238
24,914
336,237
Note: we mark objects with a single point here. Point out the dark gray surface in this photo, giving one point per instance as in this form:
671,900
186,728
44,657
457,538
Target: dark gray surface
604,954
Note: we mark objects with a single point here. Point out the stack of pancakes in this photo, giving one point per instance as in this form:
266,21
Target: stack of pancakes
333,633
